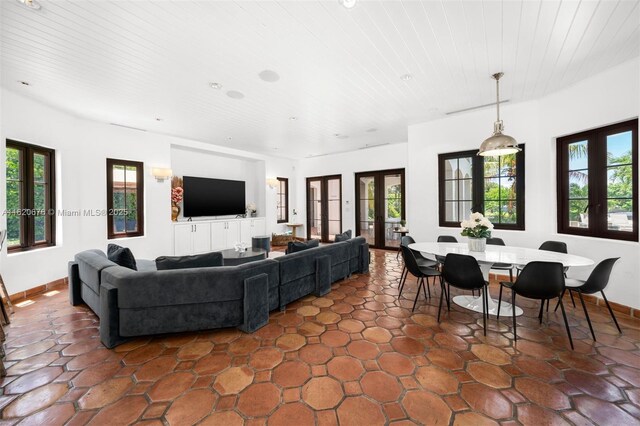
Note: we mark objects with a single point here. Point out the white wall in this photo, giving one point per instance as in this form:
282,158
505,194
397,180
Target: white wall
348,164
82,147
201,163
607,98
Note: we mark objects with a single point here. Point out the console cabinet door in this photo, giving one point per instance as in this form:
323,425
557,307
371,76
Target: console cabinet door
258,227
245,231
233,232
182,240
218,236
201,237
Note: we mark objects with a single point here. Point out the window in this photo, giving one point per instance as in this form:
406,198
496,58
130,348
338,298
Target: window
283,200
493,186
30,196
125,200
597,175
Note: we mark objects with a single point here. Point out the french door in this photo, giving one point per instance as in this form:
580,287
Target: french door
380,207
324,207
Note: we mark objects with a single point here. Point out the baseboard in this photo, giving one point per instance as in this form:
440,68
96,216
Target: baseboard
589,298
53,285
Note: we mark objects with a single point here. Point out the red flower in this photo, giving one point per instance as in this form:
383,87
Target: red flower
176,194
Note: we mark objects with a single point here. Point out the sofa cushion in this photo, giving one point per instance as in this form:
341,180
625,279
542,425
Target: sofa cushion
90,264
122,256
296,246
205,260
346,235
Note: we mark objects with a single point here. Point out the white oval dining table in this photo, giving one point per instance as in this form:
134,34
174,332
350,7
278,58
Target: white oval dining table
517,256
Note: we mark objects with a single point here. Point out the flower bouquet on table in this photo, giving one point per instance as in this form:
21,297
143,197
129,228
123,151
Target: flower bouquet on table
477,228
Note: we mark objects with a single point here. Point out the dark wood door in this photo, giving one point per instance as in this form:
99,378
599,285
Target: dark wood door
380,206
324,207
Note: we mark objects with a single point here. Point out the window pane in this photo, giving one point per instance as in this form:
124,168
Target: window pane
579,184
508,213
508,165
492,211
393,208
491,189
13,163
620,216
451,211
465,189
619,182
39,168
39,194
578,156
367,231
619,148
507,188
450,192
577,215
491,166
13,220
40,228
131,213
465,210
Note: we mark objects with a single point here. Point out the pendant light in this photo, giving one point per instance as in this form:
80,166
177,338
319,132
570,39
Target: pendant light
499,143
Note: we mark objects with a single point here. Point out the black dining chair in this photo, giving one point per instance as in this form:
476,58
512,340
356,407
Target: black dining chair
419,272
540,281
558,247
462,271
501,266
597,282
420,259
447,239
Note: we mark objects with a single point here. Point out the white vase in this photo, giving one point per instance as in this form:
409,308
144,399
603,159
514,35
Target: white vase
477,244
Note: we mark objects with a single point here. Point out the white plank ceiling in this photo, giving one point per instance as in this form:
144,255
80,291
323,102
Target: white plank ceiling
131,62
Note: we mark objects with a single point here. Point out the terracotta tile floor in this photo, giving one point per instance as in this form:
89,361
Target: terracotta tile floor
357,356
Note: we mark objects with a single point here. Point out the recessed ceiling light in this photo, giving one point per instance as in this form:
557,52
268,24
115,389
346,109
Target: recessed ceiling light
339,136
406,77
216,86
31,4
269,76
275,148
371,130
229,138
158,119
24,83
235,94
349,4
292,118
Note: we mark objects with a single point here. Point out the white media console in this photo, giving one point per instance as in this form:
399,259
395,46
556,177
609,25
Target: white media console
212,235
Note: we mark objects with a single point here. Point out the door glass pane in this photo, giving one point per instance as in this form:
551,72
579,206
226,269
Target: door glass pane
619,149
578,216
578,155
393,208
334,205
366,193
315,209
619,215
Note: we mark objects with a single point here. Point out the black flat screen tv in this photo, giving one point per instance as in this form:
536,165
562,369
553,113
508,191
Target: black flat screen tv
212,197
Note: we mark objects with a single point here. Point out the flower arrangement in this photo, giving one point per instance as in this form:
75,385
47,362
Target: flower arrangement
477,226
251,209
177,194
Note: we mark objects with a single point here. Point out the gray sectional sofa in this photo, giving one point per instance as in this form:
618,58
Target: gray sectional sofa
148,301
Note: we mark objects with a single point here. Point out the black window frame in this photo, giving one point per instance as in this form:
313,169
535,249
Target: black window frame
279,195
477,190
597,191
111,235
27,185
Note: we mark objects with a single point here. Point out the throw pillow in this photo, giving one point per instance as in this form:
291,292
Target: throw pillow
296,246
205,260
121,256
346,235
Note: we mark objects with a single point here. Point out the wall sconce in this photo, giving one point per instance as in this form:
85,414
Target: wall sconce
161,174
273,183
